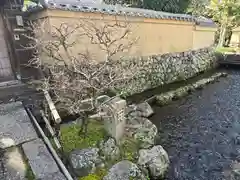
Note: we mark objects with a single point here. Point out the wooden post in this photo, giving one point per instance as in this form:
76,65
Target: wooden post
52,108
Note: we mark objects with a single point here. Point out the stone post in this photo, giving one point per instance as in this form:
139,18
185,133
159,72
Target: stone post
115,121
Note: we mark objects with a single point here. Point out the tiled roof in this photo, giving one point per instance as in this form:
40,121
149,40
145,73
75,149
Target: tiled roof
99,7
202,21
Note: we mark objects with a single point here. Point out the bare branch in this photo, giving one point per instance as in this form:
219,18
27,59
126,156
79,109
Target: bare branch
76,77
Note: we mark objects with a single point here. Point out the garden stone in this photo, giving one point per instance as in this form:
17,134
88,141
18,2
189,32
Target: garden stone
84,161
155,160
125,170
145,108
165,98
132,112
141,129
183,91
146,134
109,149
140,110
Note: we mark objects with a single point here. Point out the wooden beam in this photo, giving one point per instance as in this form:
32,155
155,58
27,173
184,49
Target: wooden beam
52,108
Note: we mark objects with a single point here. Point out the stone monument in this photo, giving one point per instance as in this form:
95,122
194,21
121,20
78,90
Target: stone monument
114,119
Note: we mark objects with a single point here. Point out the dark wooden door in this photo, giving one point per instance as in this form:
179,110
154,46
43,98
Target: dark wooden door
5,65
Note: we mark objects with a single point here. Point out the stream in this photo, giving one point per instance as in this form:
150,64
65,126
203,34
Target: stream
201,132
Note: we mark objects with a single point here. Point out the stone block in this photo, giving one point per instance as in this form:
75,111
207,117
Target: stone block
40,160
54,176
16,127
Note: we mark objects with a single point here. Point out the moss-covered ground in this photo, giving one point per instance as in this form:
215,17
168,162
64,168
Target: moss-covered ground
227,50
29,174
71,140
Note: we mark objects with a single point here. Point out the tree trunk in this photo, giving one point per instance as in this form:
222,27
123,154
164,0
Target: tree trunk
222,35
228,37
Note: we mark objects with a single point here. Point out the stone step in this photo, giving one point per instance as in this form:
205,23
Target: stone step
16,126
41,161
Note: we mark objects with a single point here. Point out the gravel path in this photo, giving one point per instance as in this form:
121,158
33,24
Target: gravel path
202,132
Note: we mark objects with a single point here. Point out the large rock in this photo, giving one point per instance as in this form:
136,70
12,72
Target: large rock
145,108
183,91
155,160
109,150
85,161
16,126
132,112
125,170
165,98
141,110
146,134
40,159
140,128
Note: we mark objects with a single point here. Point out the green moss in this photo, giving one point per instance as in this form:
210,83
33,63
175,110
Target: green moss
91,177
129,149
147,178
70,138
53,143
28,171
29,174
227,50
97,176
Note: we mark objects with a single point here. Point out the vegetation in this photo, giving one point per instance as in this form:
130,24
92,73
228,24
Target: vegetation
96,176
76,80
175,6
129,149
29,173
70,139
227,50
197,7
226,13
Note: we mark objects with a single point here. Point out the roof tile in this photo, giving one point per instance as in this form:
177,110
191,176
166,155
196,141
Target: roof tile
98,6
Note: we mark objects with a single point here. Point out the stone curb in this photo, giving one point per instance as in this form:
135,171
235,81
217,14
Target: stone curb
166,98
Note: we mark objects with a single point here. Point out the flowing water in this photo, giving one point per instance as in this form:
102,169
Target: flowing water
201,132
